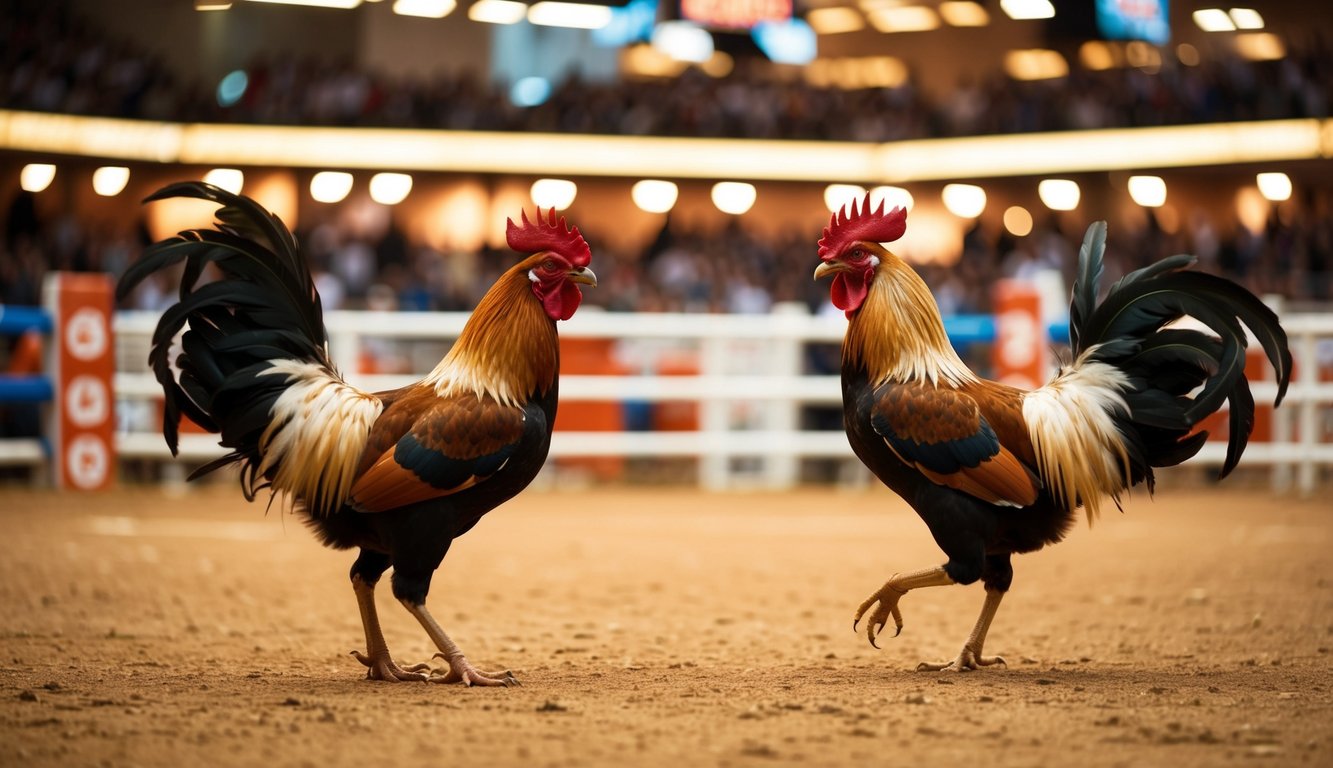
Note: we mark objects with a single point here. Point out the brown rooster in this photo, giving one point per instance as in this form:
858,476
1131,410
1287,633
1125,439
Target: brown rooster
397,474
994,470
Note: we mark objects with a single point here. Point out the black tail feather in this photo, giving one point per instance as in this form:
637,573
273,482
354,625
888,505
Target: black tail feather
1165,365
264,307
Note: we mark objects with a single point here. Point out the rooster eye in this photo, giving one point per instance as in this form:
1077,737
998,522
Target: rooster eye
549,265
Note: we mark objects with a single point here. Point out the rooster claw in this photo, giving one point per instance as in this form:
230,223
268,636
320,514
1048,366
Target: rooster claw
386,669
461,671
887,598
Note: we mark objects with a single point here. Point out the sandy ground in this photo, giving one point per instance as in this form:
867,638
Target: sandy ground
664,627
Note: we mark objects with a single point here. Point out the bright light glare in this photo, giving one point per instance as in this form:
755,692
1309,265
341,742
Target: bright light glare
553,193
110,180
893,197
1148,191
1274,186
232,87
36,177
1247,18
835,21
229,179
683,41
966,201
330,186
390,188
1028,9
316,3
575,15
497,11
734,197
963,13
1018,221
654,195
837,196
1213,20
530,91
906,18
1035,64
1059,194
426,9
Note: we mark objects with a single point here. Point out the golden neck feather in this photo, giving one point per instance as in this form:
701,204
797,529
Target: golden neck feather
508,349
898,333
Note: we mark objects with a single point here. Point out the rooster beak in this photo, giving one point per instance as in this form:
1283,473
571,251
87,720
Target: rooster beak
827,268
583,275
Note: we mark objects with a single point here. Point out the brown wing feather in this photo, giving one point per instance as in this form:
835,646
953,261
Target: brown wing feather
951,437
426,447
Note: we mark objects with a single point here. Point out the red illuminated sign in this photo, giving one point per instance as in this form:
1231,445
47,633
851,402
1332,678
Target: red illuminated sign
734,14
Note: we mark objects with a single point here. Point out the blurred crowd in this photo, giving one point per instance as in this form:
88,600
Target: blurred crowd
54,63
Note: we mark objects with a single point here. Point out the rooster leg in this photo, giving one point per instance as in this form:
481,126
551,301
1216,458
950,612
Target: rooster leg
380,664
888,595
970,657
460,670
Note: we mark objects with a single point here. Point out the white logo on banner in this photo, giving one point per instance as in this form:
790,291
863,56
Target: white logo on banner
86,334
87,403
86,461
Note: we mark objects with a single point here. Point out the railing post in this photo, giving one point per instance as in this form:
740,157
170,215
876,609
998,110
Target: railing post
1308,374
714,417
781,465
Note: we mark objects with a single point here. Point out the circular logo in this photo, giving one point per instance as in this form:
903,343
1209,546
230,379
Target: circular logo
1018,338
87,402
87,460
86,334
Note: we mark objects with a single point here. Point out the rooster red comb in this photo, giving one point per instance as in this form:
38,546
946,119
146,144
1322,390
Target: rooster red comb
848,226
537,236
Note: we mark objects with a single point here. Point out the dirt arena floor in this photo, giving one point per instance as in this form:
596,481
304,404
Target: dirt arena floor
665,628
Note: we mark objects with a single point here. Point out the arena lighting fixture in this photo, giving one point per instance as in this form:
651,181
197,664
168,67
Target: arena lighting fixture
1035,64
573,15
966,201
1023,10
1147,191
229,179
837,196
893,197
212,5
330,186
390,188
1097,55
654,195
1260,46
1018,221
426,9
110,180
899,162
1246,18
904,18
1275,187
553,193
734,197
36,177
963,13
1213,20
1059,194
313,3
683,41
835,21
497,11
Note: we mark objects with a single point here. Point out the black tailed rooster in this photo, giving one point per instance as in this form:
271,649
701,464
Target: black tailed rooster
993,470
398,474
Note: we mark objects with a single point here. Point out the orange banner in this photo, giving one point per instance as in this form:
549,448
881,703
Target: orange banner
83,367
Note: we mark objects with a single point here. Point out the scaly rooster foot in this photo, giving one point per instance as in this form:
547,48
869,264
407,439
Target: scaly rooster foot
381,667
967,661
460,671
887,596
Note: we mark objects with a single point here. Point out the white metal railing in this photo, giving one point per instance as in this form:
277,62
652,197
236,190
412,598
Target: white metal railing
749,390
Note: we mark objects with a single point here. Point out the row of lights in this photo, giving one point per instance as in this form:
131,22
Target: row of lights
659,196
893,16
551,14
